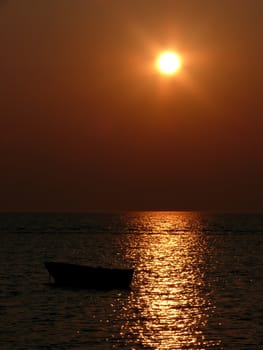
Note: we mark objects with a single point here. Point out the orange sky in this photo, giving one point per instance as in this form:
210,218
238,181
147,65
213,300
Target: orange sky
87,124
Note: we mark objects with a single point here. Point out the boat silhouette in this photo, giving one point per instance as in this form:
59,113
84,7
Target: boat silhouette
81,276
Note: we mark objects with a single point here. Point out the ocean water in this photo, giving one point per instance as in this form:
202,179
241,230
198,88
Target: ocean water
198,281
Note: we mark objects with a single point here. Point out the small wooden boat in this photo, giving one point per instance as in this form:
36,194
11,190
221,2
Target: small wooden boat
81,276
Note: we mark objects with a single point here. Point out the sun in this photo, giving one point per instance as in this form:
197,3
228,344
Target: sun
168,63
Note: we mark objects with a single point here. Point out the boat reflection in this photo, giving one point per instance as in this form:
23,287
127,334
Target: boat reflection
171,305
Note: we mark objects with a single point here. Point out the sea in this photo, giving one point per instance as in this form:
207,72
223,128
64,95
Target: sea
198,281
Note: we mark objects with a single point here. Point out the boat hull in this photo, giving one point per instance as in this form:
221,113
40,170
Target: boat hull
80,276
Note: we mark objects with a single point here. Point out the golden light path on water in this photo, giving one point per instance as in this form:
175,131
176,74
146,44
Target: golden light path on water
170,304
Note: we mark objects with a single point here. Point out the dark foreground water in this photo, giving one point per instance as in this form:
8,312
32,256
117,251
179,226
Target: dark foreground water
198,281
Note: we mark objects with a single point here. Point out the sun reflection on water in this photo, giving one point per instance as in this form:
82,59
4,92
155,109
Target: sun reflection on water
171,303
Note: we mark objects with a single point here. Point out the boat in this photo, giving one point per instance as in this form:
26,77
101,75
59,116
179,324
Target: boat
81,276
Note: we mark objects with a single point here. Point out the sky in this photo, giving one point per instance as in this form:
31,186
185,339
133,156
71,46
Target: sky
87,123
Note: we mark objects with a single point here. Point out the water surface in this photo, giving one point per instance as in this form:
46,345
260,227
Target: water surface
197,284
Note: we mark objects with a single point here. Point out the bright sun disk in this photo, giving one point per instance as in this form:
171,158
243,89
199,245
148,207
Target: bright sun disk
168,63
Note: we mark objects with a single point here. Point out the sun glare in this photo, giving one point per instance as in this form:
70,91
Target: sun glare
168,63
